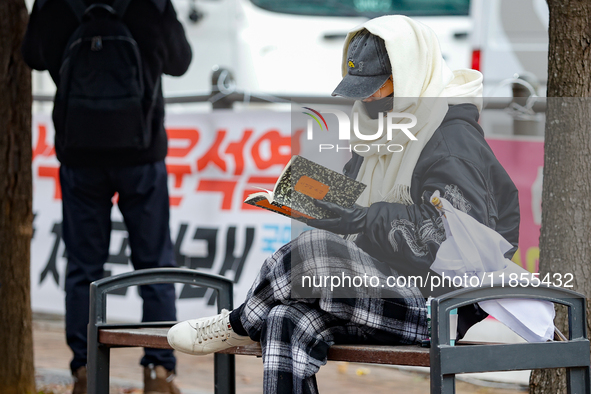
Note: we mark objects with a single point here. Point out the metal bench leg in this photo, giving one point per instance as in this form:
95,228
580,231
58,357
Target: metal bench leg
577,380
98,370
449,384
442,384
225,373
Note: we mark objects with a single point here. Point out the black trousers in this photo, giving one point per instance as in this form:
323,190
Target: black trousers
144,204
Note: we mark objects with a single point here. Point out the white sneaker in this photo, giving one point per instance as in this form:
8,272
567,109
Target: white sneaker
206,335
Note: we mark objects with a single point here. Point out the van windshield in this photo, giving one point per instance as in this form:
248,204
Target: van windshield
366,8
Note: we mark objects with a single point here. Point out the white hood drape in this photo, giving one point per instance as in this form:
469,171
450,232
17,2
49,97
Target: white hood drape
422,85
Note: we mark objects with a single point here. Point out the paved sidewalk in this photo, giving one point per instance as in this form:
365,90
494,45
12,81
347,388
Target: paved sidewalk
195,374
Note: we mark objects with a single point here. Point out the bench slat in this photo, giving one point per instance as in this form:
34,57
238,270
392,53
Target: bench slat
374,354
134,337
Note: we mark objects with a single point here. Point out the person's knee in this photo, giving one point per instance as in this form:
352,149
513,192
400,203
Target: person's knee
279,313
323,235
280,323
293,318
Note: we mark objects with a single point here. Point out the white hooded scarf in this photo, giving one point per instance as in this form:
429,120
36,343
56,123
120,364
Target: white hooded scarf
423,86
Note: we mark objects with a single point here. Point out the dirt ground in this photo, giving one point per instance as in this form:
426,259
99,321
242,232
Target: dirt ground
195,374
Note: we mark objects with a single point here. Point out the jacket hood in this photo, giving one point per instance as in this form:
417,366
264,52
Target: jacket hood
466,112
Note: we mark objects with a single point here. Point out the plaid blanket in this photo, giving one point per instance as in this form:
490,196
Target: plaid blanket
296,328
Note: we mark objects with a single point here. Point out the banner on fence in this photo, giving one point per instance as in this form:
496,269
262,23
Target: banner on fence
523,159
215,159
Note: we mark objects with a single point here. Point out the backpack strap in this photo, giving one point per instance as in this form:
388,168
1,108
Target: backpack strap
79,7
120,6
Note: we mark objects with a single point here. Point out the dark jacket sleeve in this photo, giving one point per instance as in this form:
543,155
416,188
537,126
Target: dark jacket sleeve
463,168
31,47
50,26
178,51
408,236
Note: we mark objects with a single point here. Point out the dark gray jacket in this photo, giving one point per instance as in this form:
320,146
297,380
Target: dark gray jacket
458,162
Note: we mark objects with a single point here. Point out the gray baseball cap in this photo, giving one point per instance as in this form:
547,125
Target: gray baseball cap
368,66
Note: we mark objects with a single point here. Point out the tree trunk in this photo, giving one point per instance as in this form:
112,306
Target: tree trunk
17,374
565,244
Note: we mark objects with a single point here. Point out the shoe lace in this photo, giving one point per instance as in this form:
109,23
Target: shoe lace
217,326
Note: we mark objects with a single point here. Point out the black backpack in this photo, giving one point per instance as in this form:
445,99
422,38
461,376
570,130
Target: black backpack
101,102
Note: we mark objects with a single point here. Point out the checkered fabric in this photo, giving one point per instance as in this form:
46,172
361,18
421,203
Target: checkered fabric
296,333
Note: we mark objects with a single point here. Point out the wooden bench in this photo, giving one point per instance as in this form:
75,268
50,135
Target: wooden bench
445,360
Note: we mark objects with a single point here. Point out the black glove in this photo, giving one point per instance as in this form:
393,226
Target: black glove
350,220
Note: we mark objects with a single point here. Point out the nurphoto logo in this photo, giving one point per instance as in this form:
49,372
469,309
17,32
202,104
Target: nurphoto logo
390,126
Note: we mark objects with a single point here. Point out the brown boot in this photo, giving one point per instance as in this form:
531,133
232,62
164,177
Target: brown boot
158,380
79,377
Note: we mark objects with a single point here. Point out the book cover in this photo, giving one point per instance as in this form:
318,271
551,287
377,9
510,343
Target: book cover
300,183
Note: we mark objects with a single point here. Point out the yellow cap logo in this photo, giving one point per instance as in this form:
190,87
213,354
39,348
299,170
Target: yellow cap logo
351,64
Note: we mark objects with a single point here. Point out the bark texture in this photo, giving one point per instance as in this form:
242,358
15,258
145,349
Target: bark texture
17,375
565,244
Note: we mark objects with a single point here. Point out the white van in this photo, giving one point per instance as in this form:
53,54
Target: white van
291,47
294,47
510,37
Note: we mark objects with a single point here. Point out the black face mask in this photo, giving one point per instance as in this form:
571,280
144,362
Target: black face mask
373,108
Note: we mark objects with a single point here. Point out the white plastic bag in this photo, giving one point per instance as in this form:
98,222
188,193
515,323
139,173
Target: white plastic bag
473,250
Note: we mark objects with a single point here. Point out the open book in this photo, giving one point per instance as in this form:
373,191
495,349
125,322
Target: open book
302,181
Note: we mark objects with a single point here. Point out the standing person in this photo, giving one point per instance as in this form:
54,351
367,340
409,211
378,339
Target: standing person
106,58
391,63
